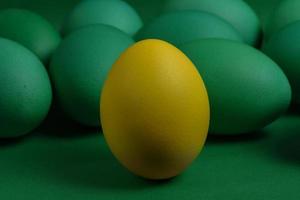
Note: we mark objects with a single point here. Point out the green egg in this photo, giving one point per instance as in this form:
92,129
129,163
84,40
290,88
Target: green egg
238,13
25,90
183,26
30,30
246,89
283,47
286,12
116,13
80,65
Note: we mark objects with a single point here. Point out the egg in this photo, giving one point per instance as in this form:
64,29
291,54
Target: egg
283,47
116,13
31,30
247,90
79,67
237,13
154,110
25,90
285,13
184,26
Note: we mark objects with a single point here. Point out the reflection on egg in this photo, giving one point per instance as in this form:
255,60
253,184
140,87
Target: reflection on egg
154,110
247,90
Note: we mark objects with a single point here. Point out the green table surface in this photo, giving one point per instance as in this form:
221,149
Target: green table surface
64,161
61,160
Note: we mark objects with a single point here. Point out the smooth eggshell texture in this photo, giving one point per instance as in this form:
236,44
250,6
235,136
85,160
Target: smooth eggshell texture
236,12
183,26
25,90
285,13
246,89
283,47
30,30
116,13
80,66
154,110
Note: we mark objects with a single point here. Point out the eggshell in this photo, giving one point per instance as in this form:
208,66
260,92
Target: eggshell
116,13
80,66
183,26
154,110
285,13
25,90
31,30
238,13
247,90
283,47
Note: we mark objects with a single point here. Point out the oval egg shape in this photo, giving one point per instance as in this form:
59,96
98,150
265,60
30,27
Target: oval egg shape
237,13
31,30
285,13
183,26
116,13
247,90
25,90
154,110
79,67
283,47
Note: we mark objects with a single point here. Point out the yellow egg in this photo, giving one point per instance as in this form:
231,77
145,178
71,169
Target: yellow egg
154,110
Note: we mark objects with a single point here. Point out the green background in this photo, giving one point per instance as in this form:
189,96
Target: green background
62,160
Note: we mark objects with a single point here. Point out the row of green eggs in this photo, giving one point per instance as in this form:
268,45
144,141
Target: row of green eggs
247,90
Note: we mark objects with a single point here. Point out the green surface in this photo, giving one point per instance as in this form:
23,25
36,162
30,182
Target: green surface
147,9
55,10
64,161
69,162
